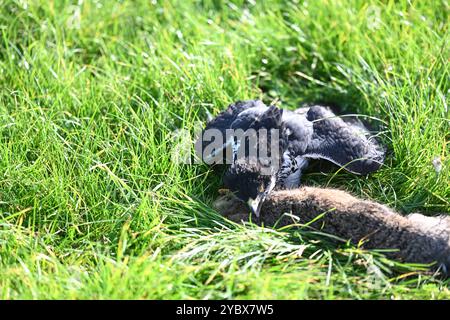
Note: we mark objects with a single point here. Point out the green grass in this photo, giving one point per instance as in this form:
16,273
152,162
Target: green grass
91,203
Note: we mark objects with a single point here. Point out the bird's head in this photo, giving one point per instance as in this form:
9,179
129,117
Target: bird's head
247,181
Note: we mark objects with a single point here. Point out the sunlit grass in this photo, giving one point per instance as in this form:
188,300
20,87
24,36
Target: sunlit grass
91,203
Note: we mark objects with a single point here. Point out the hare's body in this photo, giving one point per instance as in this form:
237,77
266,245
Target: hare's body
413,238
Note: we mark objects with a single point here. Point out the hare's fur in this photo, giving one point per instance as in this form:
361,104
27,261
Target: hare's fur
415,238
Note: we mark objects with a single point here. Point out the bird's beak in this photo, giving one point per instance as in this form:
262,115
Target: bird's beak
256,204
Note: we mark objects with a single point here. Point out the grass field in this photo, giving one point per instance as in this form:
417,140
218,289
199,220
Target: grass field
91,203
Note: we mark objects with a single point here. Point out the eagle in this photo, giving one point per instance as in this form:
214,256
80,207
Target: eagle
313,132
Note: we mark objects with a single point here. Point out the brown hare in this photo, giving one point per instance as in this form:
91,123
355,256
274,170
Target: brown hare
415,238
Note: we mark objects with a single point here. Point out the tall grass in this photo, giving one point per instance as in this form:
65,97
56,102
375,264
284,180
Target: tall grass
91,203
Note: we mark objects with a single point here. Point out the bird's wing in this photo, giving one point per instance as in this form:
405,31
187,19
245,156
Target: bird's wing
345,143
259,117
297,132
259,144
244,115
224,121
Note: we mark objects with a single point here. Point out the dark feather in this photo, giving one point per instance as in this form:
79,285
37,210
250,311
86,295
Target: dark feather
345,143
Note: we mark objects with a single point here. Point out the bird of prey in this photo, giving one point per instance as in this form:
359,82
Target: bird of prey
307,133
